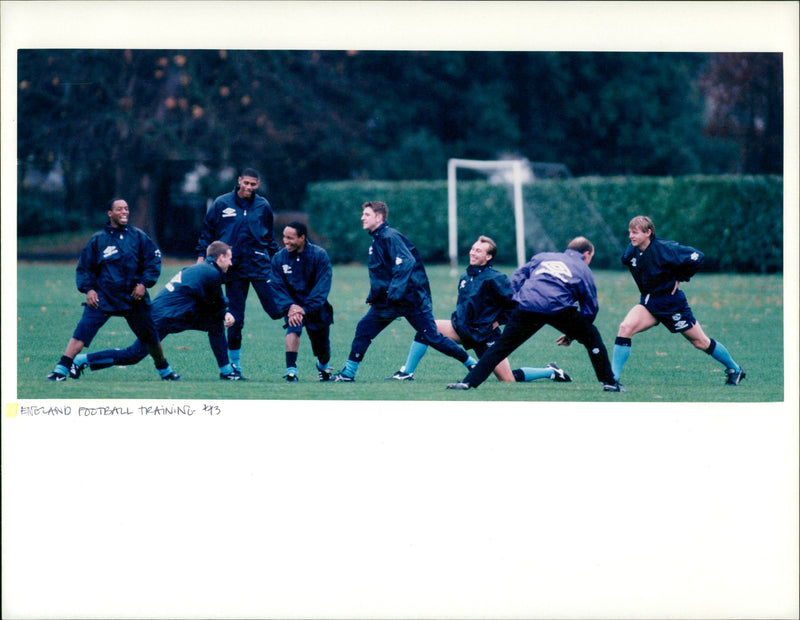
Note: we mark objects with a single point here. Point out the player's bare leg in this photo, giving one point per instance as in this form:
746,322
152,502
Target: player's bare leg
733,371
697,337
74,346
503,372
637,320
445,328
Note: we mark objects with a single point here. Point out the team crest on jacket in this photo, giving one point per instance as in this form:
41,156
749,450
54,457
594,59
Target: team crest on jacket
110,251
287,269
229,212
633,262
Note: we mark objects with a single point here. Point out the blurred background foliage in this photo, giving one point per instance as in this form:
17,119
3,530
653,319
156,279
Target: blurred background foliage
169,129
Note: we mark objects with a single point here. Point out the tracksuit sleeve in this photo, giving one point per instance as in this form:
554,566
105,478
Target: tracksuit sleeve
318,294
277,285
687,261
270,244
503,298
211,298
520,276
207,232
587,298
149,262
86,270
403,265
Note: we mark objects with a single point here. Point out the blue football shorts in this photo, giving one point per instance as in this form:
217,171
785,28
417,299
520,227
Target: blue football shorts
672,311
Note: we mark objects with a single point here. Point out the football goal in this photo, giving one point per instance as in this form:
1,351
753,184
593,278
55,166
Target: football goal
528,227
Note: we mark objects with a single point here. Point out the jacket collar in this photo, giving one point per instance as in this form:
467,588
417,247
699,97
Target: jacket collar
211,261
474,270
242,202
112,230
379,228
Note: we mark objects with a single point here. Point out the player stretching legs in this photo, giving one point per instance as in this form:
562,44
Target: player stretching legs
658,267
115,269
399,287
484,303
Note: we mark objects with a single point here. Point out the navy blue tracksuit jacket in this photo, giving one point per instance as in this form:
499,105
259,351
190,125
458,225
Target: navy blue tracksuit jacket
303,278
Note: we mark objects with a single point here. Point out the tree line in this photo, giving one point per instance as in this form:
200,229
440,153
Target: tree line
93,123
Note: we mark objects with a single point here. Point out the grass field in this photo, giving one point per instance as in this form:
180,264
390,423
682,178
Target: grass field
744,312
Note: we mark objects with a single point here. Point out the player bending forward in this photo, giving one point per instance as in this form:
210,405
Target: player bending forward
191,300
658,267
301,282
484,302
556,289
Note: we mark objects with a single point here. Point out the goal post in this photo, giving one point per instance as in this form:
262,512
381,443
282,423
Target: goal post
516,167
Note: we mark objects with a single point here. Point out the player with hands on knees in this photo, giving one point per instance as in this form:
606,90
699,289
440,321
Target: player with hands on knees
301,283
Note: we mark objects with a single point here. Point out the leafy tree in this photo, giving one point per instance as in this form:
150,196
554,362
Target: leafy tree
744,92
136,121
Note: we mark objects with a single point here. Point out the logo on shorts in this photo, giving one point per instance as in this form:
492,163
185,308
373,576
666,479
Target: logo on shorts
229,212
676,317
110,251
398,261
694,256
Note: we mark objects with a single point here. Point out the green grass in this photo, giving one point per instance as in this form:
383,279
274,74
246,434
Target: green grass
743,312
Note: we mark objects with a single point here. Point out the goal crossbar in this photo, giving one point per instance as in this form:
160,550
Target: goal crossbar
516,167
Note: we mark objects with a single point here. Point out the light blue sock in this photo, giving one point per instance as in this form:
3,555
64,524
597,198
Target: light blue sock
532,374
350,368
620,355
471,361
291,370
321,366
235,356
415,353
81,359
226,369
163,372
62,370
720,353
